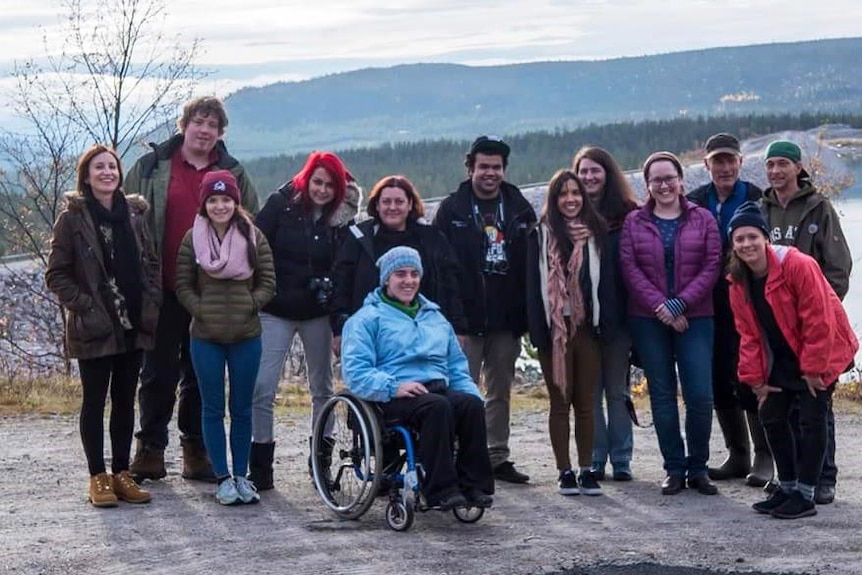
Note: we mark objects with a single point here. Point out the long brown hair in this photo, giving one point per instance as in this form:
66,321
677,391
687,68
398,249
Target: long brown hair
588,216
618,197
82,171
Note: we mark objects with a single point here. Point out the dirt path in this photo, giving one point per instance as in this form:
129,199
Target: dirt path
47,527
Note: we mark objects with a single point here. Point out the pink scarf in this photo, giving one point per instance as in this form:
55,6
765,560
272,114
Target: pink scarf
561,292
226,259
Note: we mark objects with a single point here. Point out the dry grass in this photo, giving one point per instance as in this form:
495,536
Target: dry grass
56,394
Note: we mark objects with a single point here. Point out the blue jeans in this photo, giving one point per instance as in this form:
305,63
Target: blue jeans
613,437
243,361
663,352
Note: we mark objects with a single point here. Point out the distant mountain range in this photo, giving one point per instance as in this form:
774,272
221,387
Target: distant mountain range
432,101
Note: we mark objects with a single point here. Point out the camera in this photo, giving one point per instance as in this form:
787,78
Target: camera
322,288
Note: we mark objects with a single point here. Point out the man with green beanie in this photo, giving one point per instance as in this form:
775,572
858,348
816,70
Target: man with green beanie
798,215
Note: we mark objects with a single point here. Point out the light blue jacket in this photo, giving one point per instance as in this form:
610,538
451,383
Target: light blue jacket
382,347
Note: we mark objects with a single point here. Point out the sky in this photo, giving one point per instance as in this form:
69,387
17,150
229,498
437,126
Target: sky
255,42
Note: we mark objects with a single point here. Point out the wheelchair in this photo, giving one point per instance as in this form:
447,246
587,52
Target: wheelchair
355,458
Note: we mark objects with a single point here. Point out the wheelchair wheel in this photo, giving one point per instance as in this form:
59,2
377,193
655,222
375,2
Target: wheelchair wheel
468,514
399,515
344,463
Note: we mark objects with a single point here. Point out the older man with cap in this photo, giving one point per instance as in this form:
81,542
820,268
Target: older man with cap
401,351
486,221
798,215
722,196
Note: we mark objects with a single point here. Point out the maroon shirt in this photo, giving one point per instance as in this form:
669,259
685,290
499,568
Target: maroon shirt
180,209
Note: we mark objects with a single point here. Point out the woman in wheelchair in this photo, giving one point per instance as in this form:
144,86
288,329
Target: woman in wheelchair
400,351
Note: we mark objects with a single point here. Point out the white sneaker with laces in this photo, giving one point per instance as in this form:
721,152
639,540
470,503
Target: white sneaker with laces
227,493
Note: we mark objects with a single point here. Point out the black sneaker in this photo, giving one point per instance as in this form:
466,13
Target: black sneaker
506,472
478,498
795,507
568,483
772,502
824,494
449,501
587,483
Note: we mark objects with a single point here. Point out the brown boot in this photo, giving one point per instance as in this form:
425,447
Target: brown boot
102,491
196,464
127,490
149,462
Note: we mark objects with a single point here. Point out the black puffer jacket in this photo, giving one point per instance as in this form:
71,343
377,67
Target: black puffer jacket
356,274
302,250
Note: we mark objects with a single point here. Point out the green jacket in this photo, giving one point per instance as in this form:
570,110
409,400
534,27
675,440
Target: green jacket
151,175
224,311
811,224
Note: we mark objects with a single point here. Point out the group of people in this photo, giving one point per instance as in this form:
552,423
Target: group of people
173,275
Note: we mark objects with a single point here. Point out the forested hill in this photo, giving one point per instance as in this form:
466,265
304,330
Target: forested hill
431,101
437,166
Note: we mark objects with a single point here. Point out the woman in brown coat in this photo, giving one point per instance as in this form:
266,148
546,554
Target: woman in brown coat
104,273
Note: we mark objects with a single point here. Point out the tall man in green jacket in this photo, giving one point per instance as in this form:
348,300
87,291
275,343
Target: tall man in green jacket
169,177
798,215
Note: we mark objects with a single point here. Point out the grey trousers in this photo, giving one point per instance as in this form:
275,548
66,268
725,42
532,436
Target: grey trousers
276,337
494,355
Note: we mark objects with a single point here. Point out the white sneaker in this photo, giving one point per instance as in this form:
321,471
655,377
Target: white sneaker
227,493
246,490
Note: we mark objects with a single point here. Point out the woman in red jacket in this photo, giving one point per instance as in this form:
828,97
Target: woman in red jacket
795,340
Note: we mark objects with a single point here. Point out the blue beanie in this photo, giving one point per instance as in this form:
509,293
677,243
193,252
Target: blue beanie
748,214
398,257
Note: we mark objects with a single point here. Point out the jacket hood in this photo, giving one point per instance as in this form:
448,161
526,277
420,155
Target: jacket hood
349,207
806,189
76,202
166,149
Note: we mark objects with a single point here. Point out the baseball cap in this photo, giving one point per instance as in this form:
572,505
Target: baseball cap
722,144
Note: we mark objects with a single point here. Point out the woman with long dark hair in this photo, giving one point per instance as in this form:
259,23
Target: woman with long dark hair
670,254
225,276
570,297
305,222
613,198
104,272
795,340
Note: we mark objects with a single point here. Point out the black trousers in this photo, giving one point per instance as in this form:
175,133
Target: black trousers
165,366
440,419
796,457
119,374
829,471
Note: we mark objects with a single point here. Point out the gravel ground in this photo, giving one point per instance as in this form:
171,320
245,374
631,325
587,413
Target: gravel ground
47,527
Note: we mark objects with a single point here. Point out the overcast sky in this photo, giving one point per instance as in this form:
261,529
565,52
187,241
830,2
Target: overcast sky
253,42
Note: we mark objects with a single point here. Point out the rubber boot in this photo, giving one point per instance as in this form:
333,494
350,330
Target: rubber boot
260,465
196,463
735,431
764,467
148,463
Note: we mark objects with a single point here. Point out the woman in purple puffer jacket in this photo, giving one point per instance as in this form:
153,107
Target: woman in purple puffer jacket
670,255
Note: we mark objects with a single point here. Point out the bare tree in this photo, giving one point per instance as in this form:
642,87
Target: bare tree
116,77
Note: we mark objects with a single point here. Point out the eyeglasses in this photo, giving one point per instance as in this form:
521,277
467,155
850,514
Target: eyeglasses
666,181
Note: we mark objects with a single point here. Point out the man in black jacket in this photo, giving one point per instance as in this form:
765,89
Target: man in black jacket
486,220
722,196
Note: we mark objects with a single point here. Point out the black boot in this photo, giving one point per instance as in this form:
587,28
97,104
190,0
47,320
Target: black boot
326,447
764,467
735,431
260,465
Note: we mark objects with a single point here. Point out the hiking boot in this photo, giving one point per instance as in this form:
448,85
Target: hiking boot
568,483
247,490
260,465
506,472
737,465
148,463
101,492
196,464
126,489
587,483
227,494
768,505
795,507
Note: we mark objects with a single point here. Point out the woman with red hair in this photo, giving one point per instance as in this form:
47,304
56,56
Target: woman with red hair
305,222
